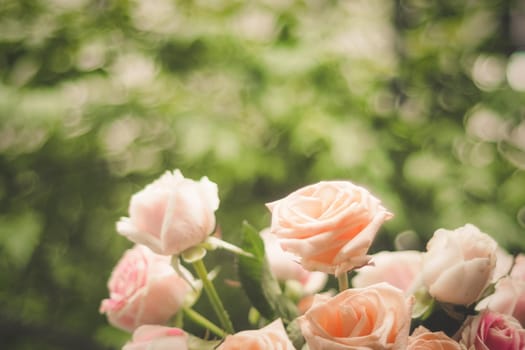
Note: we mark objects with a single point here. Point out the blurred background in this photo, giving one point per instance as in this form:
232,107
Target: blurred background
422,102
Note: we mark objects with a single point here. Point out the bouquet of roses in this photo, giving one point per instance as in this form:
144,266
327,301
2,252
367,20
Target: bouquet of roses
463,292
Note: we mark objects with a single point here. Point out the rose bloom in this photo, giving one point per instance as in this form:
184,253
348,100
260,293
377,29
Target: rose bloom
330,225
307,301
150,337
508,298
504,262
459,264
374,317
399,269
270,337
491,330
285,267
509,293
423,339
518,270
144,289
171,214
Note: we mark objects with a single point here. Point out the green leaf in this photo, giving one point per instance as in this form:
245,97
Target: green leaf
260,285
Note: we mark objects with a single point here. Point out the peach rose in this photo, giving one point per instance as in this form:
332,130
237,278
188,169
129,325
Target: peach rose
329,225
171,214
459,264
144,289
305,303
150,337
374,317
423,339
491,330
399,269
285,267
271,337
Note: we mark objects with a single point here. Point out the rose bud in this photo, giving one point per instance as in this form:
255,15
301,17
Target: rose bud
171,214
459,264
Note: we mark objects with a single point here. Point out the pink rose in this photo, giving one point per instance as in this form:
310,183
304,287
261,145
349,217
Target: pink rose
490,330
329,225
375,317
509,293
271,337
518,270
144,289
459,264
285,267
399,269
508,298
171,214
504,262
149,337
423,339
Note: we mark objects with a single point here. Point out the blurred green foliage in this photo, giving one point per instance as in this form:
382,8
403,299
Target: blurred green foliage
422,102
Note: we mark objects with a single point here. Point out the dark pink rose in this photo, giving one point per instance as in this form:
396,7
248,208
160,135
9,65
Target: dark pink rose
492,330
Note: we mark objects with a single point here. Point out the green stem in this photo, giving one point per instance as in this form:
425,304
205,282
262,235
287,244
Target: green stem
342,279
215,301
204,322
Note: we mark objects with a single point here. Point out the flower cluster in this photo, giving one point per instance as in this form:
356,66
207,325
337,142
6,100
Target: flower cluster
463,292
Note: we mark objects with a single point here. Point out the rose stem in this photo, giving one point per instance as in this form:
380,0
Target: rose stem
342,279
203,321
215,301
